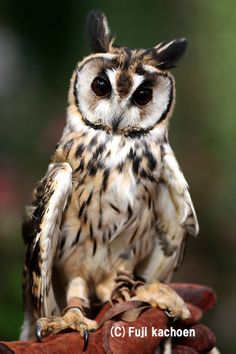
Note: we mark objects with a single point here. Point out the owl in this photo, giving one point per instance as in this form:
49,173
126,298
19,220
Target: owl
113,210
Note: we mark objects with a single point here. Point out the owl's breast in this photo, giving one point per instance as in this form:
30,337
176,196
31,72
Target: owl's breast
114,181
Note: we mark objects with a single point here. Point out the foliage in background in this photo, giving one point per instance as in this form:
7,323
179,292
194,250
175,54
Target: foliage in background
40,43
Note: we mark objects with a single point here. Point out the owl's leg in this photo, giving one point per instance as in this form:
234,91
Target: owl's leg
162,296
73,316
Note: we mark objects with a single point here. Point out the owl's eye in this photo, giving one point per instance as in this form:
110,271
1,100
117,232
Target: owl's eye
101,87
142,96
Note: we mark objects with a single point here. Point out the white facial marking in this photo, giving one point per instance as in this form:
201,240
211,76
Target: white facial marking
112,73
117,112
160,102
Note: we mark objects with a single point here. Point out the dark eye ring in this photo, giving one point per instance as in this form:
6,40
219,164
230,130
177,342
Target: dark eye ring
101,87
142,96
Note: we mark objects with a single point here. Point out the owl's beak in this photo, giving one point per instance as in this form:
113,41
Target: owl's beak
115,122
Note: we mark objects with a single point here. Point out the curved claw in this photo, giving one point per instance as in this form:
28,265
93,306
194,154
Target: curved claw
86,339
38,333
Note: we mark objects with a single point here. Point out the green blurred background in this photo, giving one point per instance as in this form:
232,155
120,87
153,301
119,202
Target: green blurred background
40,43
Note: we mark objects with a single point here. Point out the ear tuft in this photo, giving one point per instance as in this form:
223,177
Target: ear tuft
168,53
98,31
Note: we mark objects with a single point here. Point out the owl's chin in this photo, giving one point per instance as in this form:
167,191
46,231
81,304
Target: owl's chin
76,121
117,128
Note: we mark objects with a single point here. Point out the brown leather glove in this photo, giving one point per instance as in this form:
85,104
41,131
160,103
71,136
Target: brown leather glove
116,335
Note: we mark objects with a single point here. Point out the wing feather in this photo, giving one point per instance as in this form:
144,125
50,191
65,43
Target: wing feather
179,192
43,231
175,209
176,218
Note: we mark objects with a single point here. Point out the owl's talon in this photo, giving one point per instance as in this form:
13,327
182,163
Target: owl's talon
171,315
38,333
72,318
86,339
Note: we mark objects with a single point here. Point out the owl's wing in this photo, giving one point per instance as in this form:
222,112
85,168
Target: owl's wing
41,231
175,216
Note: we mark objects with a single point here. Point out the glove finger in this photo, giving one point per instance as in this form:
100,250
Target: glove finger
203,340
199,295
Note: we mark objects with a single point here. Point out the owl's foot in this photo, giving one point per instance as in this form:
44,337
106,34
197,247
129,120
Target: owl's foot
161,295
125,287
73,318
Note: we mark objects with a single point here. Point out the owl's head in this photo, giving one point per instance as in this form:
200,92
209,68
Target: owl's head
120,89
